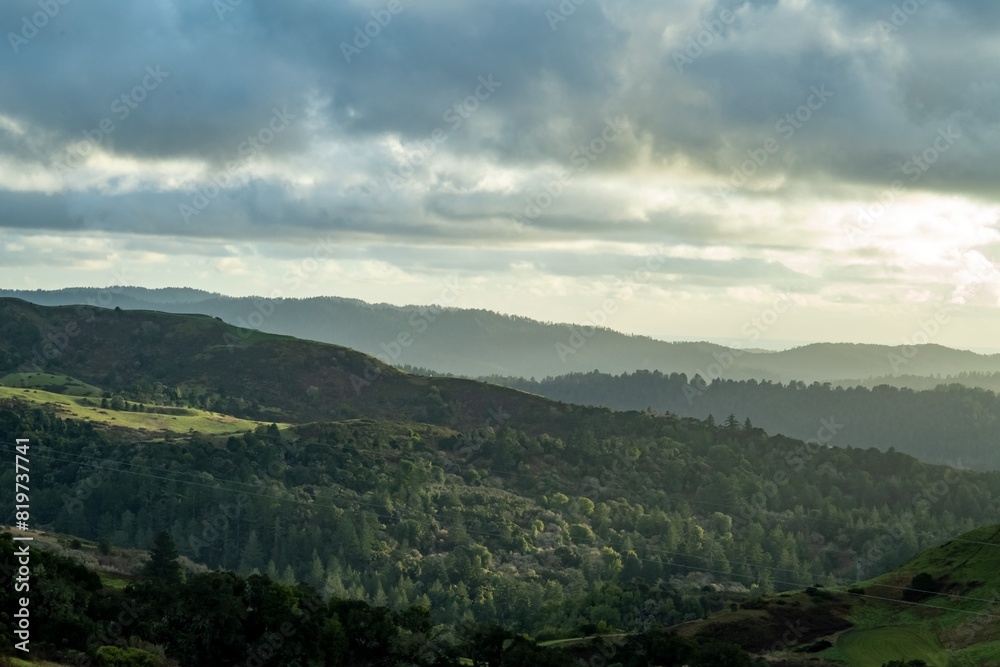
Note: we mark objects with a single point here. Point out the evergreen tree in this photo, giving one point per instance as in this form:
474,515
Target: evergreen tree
163,565
317,575
252,556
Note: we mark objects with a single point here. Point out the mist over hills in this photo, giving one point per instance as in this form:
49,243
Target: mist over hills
474,343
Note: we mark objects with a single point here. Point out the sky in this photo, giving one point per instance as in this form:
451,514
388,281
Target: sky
809,171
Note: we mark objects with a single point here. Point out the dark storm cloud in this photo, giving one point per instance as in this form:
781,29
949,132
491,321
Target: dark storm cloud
894,72
224,77
30,210
895,76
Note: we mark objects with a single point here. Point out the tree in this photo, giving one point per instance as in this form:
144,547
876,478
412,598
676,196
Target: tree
921,586
581,533
485,644
334,641
252,556
162,565
317,574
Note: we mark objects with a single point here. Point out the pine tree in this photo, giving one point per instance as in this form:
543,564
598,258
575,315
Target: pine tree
317,575
163,565
333,587
252,555
379,599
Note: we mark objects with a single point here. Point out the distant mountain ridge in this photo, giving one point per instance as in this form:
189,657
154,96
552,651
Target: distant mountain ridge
476,343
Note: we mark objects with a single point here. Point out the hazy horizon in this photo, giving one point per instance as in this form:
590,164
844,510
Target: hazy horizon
763,344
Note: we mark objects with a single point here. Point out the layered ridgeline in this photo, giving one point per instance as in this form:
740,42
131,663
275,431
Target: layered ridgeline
479,342
953,424
313,462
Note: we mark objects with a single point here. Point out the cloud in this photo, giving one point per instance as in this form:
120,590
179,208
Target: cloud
753,137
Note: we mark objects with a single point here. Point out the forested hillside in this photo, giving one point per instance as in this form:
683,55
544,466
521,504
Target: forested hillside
951,424
982,380
480,502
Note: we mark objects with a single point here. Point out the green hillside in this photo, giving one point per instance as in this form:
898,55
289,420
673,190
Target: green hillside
152,418
487,506
59,384
942,606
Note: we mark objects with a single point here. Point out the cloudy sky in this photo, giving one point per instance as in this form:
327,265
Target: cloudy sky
681,167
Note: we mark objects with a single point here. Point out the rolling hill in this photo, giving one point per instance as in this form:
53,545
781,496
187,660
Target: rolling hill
942,606
476,343
481,503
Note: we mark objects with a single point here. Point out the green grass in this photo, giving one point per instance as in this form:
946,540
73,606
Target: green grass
17,662
114,582
88,409
577,640
984,655
875,647
59,384
964,560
